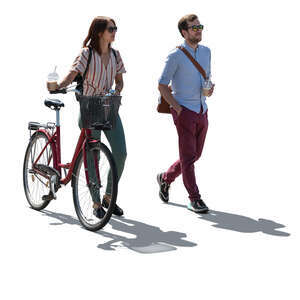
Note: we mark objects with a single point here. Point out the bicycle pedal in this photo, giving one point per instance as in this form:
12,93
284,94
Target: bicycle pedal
48,197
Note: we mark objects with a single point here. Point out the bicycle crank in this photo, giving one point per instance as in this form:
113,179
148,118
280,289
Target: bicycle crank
53,182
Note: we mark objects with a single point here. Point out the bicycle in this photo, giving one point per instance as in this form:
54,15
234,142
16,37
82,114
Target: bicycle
42,169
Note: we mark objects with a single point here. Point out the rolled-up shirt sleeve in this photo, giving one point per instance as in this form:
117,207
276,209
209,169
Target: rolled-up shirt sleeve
169,70
120,64
80,62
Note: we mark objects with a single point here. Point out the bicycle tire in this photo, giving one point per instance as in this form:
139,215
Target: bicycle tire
35,179
78,173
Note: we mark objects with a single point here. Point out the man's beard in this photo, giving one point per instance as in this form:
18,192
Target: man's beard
194,40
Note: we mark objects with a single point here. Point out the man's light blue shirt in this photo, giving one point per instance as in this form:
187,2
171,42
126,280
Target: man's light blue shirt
186,80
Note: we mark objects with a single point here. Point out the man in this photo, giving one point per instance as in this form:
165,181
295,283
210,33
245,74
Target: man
188,108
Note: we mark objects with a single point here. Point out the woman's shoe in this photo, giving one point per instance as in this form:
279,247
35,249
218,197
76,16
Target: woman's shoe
99,212
118,211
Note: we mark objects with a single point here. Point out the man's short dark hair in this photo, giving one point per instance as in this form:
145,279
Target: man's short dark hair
183,25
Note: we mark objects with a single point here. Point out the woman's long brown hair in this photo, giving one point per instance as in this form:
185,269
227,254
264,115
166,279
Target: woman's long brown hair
99,24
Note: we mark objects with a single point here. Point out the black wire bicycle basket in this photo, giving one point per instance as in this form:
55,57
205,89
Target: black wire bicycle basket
99,112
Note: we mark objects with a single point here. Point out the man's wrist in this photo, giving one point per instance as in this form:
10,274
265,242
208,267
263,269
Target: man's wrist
177,107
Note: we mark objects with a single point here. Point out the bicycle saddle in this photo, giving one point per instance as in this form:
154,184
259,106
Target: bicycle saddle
54,103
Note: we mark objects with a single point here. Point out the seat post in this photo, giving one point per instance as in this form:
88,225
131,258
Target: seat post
58,153
57,118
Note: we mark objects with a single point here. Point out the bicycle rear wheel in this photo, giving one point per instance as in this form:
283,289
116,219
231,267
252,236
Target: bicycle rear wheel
81,193
35,185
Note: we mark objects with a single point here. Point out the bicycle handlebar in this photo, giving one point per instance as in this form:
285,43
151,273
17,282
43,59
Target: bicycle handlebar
62,91
66,90
70,89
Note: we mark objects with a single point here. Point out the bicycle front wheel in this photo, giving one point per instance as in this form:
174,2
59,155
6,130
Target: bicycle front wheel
82,198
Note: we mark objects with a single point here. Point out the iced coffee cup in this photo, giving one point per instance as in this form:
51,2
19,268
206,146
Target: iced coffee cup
52,85
206,87
205,91
52,81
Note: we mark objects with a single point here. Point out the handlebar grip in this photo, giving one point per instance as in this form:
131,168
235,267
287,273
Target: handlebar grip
62,91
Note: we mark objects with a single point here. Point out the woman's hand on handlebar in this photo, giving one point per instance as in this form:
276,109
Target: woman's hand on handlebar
65,82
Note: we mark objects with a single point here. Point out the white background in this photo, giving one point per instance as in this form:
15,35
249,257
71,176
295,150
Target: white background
248,174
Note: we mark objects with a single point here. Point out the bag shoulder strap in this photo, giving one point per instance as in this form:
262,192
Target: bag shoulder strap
80,79
88,63
115,53
195,63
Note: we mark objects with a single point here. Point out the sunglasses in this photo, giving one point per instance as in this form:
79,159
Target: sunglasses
112,29
196,27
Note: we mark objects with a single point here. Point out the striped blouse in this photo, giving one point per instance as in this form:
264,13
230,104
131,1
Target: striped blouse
98,79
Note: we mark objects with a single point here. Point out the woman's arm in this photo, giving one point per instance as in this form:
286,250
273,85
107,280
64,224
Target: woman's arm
68,79
119,83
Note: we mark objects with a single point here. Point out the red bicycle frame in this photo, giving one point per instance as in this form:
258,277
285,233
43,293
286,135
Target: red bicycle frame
54,141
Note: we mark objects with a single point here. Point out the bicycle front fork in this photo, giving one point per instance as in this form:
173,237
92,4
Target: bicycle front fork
91,152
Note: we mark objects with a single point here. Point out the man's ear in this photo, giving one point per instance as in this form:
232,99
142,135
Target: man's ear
185,33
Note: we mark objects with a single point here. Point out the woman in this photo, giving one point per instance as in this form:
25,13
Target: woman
106,66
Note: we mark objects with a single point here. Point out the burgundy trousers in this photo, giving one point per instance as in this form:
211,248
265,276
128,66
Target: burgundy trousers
191,128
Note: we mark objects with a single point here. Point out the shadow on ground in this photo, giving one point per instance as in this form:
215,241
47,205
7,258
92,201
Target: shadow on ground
146,238
240,223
